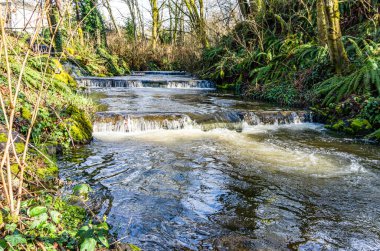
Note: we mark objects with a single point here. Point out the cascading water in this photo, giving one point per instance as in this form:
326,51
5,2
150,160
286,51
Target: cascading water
187,169
147,79
114,122
130,123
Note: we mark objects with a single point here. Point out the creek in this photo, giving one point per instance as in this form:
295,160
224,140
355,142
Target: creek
176,166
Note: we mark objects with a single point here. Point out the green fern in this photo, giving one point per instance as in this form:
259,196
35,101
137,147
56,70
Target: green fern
365,80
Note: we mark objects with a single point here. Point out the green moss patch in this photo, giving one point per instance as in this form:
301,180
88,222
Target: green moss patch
3,138
360,125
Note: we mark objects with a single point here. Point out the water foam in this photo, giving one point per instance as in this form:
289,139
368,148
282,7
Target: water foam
242,149
237,121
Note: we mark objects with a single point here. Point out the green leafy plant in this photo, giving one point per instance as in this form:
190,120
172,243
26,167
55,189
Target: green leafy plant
92,235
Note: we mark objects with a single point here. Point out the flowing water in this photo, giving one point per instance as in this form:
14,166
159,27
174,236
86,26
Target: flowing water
188,169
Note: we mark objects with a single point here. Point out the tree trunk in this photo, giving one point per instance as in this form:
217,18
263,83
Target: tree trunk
132,11
338,53
256,7
202,24
244,8
155,21
54,22
108,7
321,22
198,20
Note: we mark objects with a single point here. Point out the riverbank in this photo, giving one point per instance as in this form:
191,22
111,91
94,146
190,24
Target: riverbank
295,70
50,116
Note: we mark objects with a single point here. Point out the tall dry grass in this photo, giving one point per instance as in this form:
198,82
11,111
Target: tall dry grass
141,56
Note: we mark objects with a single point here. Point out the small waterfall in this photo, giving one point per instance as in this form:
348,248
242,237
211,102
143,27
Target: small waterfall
276,118
231,120
191,84
136,123
125,83
146,79
168,73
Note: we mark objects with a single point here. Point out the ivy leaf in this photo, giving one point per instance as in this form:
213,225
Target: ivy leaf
55,216
39,221
26,203
35,211
134,247
85,232
82,190
11,227
51,228
104,241
103,226
3,245
15,239
89,244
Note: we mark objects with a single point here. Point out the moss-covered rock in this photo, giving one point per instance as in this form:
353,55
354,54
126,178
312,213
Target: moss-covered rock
360,126
47,172
340,125
79,125
61,75
356,126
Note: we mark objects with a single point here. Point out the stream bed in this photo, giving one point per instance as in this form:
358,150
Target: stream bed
190,169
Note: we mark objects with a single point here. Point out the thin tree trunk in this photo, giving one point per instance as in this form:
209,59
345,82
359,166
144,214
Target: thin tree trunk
256,7
198,20
155,21
108,7
54,17
132,11
141,19
321,22
202,24
176,21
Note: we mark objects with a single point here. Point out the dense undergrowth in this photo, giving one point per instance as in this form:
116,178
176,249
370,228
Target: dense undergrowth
286,64
167,57
47,220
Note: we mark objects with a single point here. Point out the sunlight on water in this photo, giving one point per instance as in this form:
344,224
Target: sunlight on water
264,154
185,169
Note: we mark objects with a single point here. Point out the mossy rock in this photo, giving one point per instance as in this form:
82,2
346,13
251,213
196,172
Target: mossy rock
64,77
357,126
80,126
46,172
340,125
360,126
61,75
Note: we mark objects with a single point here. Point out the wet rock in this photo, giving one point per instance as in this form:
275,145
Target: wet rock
360,125
124,247
357,126
238,243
